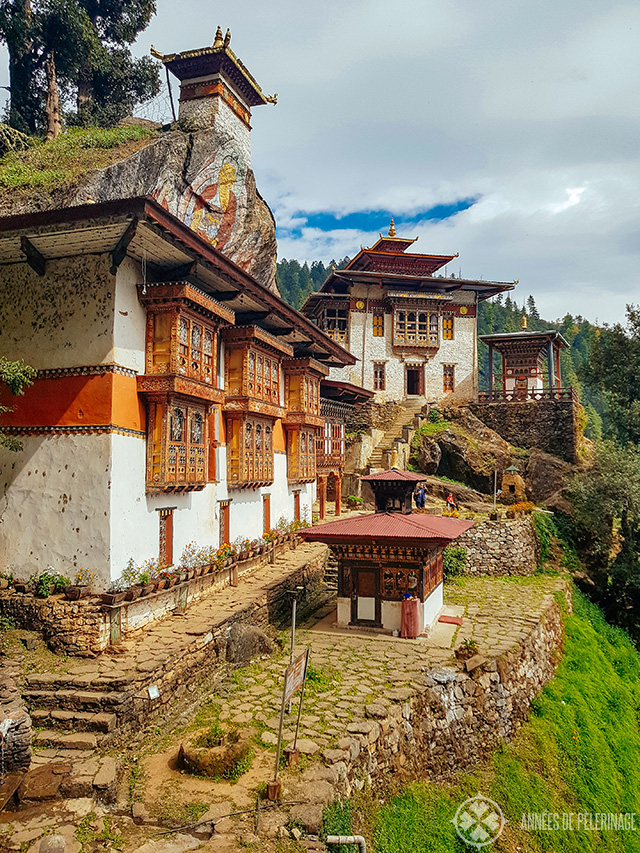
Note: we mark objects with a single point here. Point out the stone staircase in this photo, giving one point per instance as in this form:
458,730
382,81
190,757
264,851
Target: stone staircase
331,573
75,719
410,408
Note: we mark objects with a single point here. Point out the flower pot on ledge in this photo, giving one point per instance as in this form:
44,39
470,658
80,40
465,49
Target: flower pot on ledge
73,592
112,598
133,593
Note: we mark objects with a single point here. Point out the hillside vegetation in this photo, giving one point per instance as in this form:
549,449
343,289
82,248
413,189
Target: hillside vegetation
61,162
579,752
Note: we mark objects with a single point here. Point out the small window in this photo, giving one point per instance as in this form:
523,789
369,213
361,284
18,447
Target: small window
448,378
447,327
378,376
378,325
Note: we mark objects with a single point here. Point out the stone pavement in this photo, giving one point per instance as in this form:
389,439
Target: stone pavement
81,705
351,670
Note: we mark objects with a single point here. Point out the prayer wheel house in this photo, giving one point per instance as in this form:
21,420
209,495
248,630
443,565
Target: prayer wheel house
386,555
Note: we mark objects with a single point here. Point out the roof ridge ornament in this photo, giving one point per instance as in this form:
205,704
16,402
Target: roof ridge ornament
392,228
227,39
217,42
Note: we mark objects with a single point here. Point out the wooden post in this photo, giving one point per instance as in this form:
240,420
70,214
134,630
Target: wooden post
322,497
491,371
338,495
552,382
558,377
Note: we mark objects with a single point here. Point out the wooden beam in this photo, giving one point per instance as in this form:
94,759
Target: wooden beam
225,295
248,318
180,273
36,261
287,330
120,252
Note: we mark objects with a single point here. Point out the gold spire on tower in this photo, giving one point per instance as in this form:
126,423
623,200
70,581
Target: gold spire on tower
392,228
524,323
217,42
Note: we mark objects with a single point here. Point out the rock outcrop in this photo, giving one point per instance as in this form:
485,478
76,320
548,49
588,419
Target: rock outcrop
201,177
467,451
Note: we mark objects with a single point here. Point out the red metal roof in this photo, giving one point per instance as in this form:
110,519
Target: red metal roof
384,526
394,475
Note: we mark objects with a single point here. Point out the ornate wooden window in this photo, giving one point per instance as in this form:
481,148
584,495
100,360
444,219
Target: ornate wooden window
301,452
379,379
447,327
336,324
448,378
330,447
249,452
378,325
177,447
415,328
192,355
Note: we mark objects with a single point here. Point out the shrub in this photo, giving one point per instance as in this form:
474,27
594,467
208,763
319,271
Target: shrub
454,560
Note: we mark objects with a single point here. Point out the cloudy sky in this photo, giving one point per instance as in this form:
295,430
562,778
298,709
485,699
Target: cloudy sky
505,130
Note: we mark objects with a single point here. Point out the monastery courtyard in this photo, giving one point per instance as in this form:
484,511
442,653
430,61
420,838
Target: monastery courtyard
355,678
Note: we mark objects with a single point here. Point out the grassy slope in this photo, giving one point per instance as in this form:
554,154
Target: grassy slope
52,165
579,751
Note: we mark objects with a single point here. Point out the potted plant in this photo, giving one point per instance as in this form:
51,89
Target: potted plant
354,502
115,595
79,586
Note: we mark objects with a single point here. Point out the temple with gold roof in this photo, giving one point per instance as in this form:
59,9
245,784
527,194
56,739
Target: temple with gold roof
411,325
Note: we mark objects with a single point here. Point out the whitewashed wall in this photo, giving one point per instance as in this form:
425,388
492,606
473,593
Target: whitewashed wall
461,352
54,505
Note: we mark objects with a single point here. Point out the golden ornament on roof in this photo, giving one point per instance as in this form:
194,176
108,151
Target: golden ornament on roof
392,229
217,42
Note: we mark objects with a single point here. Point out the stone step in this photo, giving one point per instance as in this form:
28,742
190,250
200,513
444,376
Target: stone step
78,721
71,774
52,739
76,700
64,681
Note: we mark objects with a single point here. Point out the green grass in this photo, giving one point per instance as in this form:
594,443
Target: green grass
52,165
578,752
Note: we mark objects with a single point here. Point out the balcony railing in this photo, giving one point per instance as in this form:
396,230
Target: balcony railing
522,395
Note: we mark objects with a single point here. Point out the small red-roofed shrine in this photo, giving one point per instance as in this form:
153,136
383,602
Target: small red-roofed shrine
387,555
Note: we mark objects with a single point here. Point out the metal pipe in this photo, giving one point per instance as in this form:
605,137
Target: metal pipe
348,839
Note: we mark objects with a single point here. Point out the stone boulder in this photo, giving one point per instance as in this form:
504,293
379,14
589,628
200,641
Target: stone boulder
546,476
245,642
469,451
429,455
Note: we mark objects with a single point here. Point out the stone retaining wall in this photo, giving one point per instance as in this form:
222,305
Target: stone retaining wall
16,744
501,547
215,651
86,628
550,425
452,720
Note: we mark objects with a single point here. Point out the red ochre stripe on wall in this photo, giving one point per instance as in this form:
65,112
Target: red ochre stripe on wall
110,398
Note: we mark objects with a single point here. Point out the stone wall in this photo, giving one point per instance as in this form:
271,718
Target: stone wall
501,547
550,425
372,414
85,628
450,721
16,743
217,650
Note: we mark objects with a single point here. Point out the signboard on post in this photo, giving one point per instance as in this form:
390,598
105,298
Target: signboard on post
295,675
294,679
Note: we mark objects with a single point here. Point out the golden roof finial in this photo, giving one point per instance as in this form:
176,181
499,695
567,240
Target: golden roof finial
524,323
392,228
217,42
227,38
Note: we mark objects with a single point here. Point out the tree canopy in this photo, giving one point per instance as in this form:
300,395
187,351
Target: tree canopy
74,53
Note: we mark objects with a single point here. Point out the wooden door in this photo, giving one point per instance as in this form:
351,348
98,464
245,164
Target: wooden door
266,513
365,598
